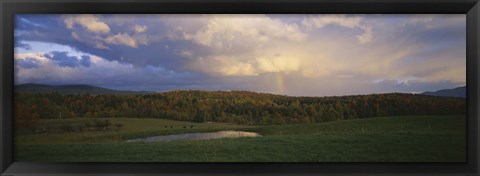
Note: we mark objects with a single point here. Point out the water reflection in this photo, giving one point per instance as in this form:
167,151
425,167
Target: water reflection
197,136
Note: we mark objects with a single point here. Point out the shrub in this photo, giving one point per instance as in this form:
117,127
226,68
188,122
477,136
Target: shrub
107,125
68,128
80,127
99,125
118,126
26,117
89,126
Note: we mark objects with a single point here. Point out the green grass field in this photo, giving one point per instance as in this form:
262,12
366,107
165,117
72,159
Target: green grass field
383,139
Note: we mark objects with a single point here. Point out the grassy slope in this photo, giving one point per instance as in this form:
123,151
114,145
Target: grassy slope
409,139
133,128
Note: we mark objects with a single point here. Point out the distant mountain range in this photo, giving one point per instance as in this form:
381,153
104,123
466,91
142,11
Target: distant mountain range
73,89
84,89
456,92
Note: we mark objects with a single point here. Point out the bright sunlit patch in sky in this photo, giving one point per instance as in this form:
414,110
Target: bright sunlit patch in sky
45,47
306,55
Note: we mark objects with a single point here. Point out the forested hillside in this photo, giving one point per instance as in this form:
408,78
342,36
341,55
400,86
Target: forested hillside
456,92
234,106
73,89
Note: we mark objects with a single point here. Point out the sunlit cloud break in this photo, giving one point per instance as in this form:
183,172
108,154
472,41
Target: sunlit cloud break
302,55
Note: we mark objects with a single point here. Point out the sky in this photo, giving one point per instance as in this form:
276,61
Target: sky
296,55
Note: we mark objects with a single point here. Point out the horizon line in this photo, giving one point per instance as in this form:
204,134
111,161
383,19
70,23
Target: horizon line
260,92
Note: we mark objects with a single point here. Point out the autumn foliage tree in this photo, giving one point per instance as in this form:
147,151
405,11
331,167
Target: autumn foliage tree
240,107
26,117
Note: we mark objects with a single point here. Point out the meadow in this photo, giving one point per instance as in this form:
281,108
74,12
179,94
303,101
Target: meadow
380,139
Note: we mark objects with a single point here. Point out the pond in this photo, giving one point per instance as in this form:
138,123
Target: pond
197,136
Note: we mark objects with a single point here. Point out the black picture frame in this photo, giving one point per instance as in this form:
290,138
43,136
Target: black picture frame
8,8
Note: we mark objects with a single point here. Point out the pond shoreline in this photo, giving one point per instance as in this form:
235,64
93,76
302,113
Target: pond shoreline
196,136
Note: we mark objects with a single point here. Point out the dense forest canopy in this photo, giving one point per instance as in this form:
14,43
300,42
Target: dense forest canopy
241,107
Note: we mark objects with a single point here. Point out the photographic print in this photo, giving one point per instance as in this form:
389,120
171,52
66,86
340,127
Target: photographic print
240,88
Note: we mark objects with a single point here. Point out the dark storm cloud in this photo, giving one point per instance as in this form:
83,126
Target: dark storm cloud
155,79
85,61
154,53
27,63
62,59
25,46
51,29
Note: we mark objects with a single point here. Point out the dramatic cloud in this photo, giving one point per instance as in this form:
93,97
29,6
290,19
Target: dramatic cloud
139,29
22,45
62,59
222,31
122,39
352,22
27,63
89,22
284,54
85,61
101,72
242,46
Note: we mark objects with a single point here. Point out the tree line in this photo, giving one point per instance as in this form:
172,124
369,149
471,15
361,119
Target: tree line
240,107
